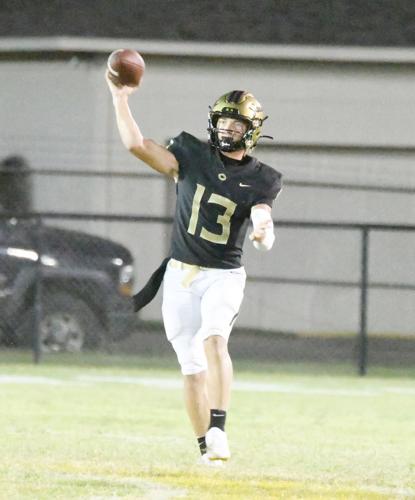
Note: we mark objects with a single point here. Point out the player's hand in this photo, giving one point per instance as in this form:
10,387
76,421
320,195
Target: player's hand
116,89
260,232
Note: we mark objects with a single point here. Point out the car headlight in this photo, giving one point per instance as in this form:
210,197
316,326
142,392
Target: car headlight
126,279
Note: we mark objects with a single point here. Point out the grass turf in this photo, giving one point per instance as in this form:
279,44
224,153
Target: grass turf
96,426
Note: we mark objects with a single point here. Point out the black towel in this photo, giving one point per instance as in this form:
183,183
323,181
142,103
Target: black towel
148,292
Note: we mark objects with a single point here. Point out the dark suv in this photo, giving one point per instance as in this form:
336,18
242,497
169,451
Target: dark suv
79,284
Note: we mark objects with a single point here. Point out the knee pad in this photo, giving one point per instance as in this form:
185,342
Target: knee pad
190,354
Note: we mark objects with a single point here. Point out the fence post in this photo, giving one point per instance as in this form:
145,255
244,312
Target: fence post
363,339
37,306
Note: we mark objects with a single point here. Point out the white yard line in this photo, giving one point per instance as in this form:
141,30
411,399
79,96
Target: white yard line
27,379
39,380
161,383
175,383
164,383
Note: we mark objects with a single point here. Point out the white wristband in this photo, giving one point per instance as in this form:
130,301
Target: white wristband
266,243
260,218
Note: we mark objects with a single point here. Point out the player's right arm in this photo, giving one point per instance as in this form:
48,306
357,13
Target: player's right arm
155,155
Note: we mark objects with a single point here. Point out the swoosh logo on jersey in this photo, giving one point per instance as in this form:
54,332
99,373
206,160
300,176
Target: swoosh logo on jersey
244,185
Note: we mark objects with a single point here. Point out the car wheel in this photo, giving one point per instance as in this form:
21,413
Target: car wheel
67,324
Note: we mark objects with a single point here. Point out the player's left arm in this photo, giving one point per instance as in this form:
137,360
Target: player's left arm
262,236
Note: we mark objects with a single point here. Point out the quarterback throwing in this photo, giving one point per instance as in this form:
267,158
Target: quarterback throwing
220,188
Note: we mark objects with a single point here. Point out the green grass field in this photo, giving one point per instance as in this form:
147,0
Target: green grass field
109,427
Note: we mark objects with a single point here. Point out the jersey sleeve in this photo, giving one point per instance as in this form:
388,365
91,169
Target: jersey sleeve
177,145
271,190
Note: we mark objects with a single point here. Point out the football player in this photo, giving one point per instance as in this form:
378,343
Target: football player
220,188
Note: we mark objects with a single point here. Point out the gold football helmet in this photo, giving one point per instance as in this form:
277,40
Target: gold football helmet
241,105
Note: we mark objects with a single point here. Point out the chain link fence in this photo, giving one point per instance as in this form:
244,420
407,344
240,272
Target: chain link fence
70,290
66,282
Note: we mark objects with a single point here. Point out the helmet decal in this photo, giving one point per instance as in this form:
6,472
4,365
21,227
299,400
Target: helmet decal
235,95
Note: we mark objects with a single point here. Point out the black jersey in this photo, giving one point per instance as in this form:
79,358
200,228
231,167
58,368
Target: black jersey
214,201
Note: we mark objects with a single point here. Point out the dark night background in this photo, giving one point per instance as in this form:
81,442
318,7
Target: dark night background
336,22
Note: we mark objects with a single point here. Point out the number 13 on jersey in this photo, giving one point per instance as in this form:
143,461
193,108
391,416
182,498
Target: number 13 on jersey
223,220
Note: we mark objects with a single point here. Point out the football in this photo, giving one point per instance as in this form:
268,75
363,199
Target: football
126,67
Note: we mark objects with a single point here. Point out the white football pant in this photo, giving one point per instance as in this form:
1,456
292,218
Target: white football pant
199,302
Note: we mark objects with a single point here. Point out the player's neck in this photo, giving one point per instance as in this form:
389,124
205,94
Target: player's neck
235,155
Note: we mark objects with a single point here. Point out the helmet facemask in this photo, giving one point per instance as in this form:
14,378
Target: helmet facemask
225,141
